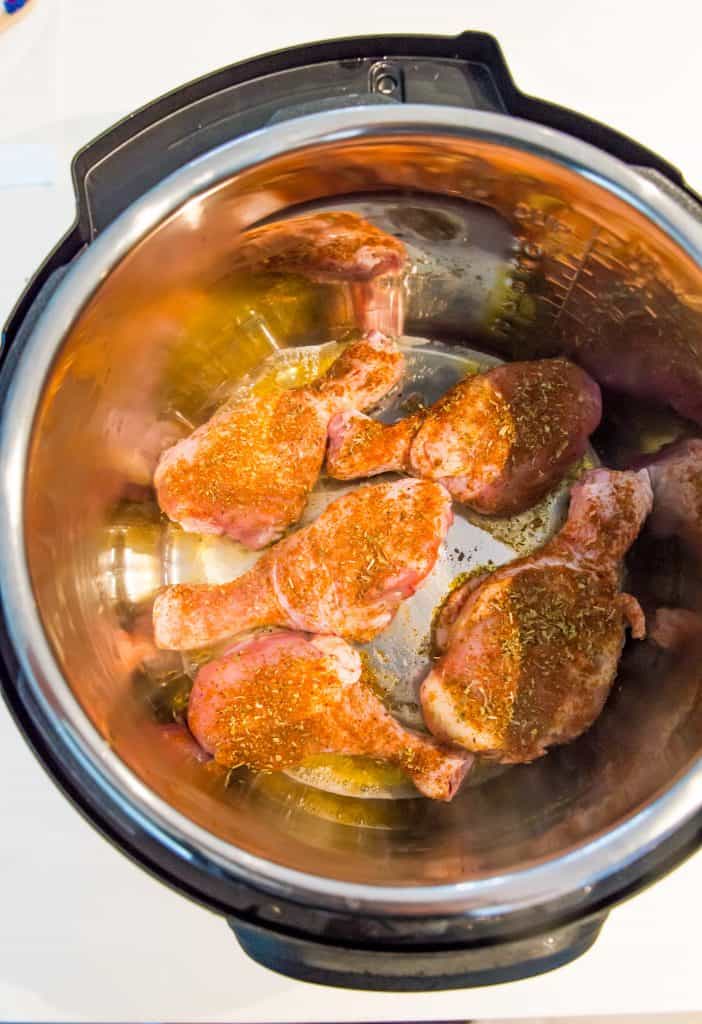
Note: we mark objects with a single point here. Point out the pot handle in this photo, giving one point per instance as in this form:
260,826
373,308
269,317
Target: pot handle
416,970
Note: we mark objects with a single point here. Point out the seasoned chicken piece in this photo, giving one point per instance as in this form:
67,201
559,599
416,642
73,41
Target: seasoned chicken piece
346,574
249,470
530,651
333,247
498,441
278,698
676,478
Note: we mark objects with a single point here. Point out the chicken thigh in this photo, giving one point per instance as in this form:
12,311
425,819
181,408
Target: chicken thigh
498,441
278,698
346,574
333,247
249,470
529,652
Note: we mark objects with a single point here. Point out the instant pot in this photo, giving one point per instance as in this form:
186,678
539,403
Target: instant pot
544,232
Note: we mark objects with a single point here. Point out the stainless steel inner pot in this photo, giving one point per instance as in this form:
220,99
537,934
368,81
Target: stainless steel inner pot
528,243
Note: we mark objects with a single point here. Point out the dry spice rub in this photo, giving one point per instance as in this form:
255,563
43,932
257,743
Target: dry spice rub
266,457
355,563
291,711
331,246
272,724
541,408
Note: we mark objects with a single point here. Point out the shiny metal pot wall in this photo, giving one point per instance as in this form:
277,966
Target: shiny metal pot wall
536,244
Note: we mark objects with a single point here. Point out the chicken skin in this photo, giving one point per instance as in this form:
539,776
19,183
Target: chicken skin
529,652
676,478
278,698
333,247
345,574
249,470
498,441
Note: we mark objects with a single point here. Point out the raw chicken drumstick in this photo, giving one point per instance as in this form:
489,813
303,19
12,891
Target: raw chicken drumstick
530,651
249,470
346,574
333,247
278,698
498,441
676,478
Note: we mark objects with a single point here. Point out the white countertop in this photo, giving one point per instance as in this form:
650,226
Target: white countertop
84,934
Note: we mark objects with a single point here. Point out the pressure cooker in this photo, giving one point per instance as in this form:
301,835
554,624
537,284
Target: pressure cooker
547,232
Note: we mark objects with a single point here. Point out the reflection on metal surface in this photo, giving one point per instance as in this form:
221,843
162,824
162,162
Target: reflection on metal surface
518,254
